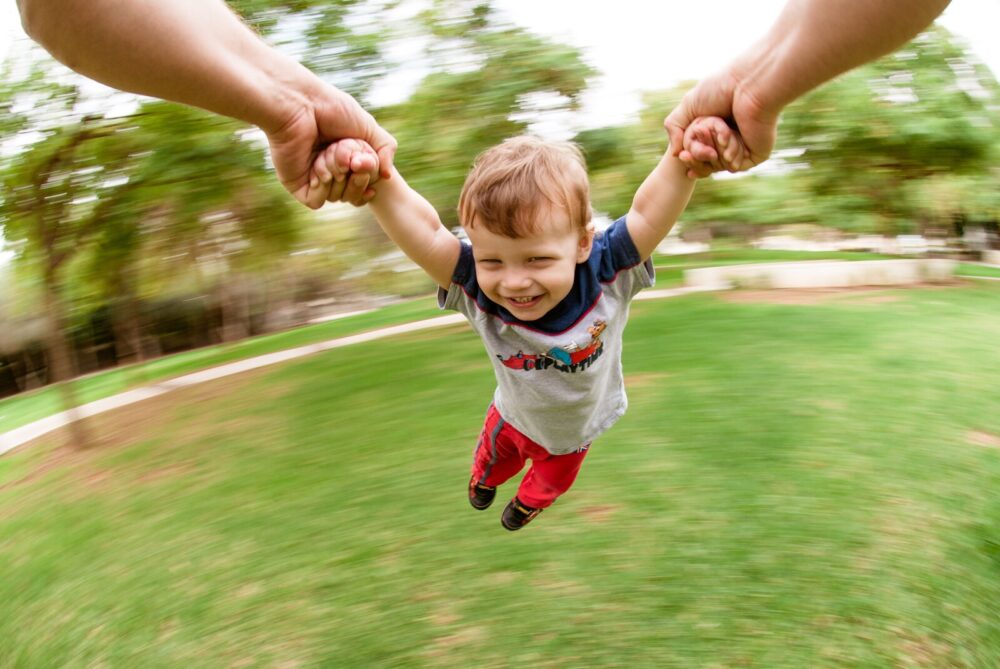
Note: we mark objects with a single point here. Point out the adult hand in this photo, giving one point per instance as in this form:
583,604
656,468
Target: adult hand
332,116
722,95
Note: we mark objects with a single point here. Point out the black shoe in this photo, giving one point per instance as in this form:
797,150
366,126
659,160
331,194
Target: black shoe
516,515
481,496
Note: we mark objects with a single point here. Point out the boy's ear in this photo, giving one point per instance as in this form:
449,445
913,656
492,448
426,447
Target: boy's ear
586,243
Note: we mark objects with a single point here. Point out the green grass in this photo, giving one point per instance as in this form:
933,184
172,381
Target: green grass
793,486
27,407
971,269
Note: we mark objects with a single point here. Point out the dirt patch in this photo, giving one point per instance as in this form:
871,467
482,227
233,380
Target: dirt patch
463,638
922,651
153,475
980,438
643,380
599,513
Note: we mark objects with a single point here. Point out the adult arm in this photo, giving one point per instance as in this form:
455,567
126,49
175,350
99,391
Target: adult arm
811,42
200,53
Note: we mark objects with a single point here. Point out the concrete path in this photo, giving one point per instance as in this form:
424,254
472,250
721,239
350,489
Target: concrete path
24,434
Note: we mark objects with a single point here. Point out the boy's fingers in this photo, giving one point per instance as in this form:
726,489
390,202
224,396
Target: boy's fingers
345,152
355,191
702,152
732,157
317,193
367,163
337,191
321,171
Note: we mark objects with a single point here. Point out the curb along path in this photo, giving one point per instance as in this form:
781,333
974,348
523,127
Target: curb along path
26,433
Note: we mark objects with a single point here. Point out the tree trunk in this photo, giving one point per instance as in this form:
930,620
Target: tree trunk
127,329
61,372
234,323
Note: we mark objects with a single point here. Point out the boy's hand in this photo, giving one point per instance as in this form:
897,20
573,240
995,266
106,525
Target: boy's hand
710,145
349,167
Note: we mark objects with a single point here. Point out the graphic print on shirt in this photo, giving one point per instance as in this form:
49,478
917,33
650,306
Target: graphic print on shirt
570,359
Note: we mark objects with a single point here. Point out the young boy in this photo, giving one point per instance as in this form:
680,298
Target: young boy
548,296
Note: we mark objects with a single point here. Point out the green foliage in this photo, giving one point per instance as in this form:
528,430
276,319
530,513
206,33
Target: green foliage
921,113
617,172
341,40
910,138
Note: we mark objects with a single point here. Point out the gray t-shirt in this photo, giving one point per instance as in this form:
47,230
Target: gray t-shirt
559,379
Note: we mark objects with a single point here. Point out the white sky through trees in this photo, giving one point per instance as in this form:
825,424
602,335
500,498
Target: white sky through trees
640,45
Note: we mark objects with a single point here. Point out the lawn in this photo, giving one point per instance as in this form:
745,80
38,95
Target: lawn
27,407
974,270
807,484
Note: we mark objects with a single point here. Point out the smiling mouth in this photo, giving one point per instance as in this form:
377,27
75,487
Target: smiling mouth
524,301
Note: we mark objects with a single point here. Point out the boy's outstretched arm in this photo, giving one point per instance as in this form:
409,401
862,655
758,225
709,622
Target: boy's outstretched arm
658,204
414,225
406,217
664,194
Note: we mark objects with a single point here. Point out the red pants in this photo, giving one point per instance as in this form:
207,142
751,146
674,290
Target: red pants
501,453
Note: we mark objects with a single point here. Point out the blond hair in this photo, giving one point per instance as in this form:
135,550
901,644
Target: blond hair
512,182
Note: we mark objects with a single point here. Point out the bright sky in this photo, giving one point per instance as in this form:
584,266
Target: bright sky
647,45
650,45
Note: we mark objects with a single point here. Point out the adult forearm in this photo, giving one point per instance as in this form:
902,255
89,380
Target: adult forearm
192,51
815,40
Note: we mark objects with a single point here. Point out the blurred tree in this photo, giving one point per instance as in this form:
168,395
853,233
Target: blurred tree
53,205
620,158
341,40
857,150
944,203
200,204
925,111
124,193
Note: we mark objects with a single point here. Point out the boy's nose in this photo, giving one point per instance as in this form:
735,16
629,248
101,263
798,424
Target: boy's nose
513,280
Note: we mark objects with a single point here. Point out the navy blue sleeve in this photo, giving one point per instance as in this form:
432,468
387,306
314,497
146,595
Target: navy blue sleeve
614,251
465,268
465,278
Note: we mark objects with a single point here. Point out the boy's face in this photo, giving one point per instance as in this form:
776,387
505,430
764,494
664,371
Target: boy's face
530,275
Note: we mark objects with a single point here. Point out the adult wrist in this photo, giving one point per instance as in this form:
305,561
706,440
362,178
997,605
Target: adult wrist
758,88
286,92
